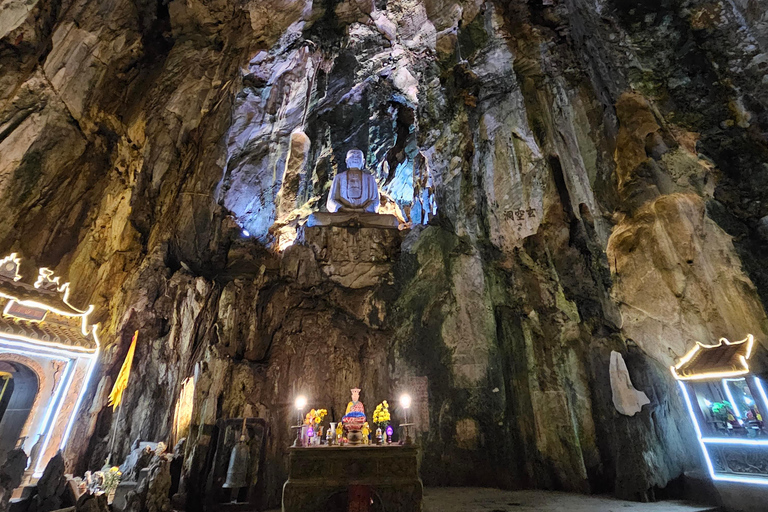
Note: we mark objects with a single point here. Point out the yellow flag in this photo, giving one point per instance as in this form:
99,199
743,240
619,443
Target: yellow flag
116,396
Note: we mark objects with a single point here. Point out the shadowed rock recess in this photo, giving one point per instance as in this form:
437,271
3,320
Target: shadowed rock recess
580,177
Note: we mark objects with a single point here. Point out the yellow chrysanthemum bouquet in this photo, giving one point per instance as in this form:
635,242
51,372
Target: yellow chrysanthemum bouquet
315,417
381,415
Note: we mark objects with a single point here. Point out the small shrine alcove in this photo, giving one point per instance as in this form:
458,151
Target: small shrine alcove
727,404
47,354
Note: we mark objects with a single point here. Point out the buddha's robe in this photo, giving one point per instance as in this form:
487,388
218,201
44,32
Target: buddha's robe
355,415
356,188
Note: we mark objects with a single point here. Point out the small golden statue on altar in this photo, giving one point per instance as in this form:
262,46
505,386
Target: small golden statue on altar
354,419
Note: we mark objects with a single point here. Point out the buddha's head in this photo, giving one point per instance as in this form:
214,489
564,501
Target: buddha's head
355,394
355,159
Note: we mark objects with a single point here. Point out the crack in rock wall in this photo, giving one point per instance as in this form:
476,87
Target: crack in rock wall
579,177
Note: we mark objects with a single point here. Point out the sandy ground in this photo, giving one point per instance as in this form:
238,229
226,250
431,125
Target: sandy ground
473,499
458,499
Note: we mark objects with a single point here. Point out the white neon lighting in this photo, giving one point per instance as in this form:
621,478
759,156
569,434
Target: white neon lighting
762,392
749,340
13,350
56,391
22,344
56,348
16,261
71,359
741,479
709,440
733,402
68,379
72,416
56,394
698,430
732,440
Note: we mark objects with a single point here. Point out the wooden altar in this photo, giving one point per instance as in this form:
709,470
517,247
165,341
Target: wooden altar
353,479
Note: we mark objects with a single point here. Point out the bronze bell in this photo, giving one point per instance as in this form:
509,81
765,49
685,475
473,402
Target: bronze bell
239,461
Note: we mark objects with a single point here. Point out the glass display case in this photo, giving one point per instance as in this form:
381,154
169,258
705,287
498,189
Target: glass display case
727,406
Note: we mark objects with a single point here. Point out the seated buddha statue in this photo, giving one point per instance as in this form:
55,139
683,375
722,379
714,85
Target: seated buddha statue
354,419
353,190
353,199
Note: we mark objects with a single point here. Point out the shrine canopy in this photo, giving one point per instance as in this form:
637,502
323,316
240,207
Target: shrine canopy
726,359
727,405
44,335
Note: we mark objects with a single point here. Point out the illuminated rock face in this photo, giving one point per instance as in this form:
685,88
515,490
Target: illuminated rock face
580,178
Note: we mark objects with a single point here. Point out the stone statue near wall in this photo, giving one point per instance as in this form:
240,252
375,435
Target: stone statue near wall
353,199
354,190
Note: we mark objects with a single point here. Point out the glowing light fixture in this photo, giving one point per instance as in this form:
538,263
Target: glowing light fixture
301,402
732,401
680,373
728,362
762,391
31,314
72,417
67,381
405,401
246,233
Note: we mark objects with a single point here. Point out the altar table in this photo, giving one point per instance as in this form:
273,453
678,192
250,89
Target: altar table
353,479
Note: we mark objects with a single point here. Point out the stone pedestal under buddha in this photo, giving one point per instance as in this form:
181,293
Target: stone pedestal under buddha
353,199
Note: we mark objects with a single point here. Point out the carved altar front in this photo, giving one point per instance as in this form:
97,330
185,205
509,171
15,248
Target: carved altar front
333,477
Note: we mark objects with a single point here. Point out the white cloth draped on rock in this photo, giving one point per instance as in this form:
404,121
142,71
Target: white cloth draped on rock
627,400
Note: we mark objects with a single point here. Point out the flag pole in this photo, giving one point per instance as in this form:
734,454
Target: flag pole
116,396
114,431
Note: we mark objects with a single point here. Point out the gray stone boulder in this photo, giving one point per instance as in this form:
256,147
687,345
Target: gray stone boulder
11,473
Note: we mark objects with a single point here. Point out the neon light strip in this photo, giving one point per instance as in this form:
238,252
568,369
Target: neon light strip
731,440
702,440
56,391
749,340
70,358
69,378
47,345
39,305
698,430
86,383
741,479
733,402
56,394
36,354
762,393
713,375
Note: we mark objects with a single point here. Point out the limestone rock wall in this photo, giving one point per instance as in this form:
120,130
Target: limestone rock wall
579,177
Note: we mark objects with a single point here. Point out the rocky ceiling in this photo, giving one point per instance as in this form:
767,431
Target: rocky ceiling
580,177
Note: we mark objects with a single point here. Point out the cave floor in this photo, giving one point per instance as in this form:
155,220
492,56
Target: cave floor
476,499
